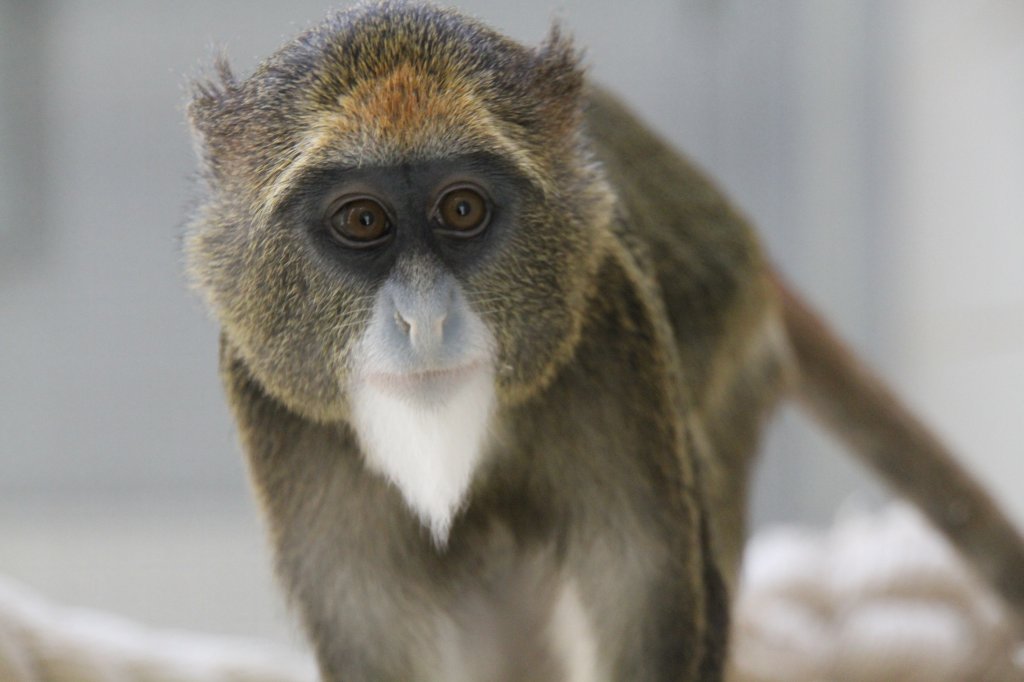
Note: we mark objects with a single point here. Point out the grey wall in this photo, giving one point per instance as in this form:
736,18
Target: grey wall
815,116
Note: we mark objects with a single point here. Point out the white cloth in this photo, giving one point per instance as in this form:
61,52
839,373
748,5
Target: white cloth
44,643
877,598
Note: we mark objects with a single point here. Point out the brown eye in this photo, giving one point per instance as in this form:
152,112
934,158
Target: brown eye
360,223
463,211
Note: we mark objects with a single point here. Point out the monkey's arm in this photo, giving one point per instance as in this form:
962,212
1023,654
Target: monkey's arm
857,406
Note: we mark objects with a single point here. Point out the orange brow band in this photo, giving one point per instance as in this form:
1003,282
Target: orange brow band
407,115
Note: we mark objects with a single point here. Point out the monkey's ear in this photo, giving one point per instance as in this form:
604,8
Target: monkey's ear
559,77
209,99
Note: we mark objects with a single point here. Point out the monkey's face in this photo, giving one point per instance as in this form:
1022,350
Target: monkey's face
413,276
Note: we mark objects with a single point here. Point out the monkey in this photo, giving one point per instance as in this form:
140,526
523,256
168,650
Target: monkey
500,359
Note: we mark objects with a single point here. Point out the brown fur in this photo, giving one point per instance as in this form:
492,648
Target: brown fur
641,343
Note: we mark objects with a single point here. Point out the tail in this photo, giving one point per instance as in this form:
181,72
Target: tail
855,404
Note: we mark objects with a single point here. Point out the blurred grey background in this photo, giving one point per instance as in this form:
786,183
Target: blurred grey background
878,145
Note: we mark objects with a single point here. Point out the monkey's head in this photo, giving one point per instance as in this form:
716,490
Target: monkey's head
401,224
399,195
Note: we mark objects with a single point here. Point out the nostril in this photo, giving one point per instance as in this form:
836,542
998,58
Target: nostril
403,324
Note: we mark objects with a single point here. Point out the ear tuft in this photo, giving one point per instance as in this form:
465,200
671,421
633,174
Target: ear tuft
209,96
559,71
558,83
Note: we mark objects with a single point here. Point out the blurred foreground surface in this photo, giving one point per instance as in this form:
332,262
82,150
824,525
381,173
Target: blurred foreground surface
877,598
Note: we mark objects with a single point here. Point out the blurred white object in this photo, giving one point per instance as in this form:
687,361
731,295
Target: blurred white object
44,643
878,598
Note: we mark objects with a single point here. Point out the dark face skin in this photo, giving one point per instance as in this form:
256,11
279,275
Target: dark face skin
361,222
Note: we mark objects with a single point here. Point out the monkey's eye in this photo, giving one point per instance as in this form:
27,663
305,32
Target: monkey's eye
359,223
463,211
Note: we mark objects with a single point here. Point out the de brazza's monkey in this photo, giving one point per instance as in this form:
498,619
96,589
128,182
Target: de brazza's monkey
500,358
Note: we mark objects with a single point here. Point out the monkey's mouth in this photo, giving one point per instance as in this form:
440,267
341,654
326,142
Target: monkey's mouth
429,385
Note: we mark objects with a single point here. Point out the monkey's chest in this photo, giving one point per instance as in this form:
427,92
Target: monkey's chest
523,620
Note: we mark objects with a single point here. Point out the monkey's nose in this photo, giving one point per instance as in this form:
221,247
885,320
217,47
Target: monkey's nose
424,329
421,316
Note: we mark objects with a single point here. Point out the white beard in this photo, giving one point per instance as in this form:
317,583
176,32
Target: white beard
427,443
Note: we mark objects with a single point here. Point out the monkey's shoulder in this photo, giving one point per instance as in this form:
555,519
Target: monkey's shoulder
707,261
664,199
